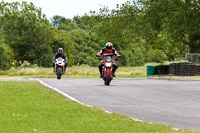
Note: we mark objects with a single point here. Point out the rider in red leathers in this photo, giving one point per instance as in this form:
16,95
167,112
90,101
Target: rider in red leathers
108,50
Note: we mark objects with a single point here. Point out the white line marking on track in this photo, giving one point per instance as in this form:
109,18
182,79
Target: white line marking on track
137,120
74,99
175,129
62,93
66,95
107,111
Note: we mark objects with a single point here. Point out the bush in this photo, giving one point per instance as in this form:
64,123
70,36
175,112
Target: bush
6,57
155,55
159,56
45,59
137,58
132,57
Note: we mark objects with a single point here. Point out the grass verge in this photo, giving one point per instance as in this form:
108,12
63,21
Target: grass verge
82,72
28,107
76,71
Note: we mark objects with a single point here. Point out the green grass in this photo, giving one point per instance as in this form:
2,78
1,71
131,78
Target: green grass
76,71
28,107
81,72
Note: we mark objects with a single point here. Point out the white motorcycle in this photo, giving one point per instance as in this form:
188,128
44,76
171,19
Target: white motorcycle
59,67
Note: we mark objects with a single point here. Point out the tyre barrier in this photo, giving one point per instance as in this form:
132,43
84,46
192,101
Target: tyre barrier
176,69
184,69
162,70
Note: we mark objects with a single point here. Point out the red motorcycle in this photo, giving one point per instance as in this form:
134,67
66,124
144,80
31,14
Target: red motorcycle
107,70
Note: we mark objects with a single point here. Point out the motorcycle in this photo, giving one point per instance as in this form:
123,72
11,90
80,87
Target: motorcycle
107,70
59,67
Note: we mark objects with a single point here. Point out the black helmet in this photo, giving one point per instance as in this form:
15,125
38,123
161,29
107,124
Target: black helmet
60,50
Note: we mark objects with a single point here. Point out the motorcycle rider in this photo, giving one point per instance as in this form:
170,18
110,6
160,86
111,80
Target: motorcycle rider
108,50
62,55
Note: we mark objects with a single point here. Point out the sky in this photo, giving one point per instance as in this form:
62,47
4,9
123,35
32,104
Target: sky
70,8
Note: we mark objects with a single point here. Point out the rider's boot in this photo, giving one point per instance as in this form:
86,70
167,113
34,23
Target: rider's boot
101,76
53,69
114,74
65,68
114,70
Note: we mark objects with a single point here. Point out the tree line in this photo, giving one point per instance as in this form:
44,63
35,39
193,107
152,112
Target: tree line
142,31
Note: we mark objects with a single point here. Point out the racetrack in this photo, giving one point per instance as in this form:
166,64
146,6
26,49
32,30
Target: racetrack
172,102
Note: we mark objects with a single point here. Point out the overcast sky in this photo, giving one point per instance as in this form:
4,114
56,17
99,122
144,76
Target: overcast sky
70,8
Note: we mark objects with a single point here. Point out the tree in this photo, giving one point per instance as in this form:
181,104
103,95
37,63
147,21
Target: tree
63,39
84,44
27,31
64,24
87,45
179,19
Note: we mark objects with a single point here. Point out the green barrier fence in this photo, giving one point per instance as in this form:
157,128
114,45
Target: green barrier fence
151,70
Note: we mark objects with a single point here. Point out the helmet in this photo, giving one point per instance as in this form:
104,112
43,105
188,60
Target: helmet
109,46
60,50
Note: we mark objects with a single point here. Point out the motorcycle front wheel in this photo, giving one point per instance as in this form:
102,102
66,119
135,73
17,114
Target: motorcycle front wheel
59,73
107,81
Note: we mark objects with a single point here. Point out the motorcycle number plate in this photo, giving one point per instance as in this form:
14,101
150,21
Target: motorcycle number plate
108,64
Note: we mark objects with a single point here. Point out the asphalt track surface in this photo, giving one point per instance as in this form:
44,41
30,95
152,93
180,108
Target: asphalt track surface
172,102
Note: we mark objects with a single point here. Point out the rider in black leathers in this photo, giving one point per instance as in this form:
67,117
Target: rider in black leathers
62,55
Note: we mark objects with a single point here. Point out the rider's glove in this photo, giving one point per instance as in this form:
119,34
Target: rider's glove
99,58
117,58
66,61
